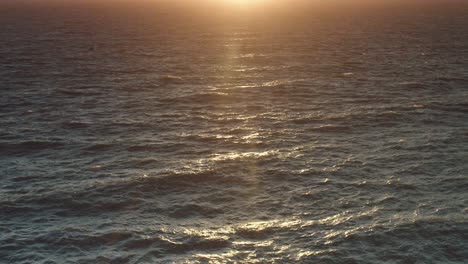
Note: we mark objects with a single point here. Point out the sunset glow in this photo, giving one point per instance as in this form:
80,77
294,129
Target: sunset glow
246,4
243,2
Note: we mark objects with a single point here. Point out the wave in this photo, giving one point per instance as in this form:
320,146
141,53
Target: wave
413,85
28,147
76,124
333,129
81,241
120,195
443,241
168,147
168,247
171,79
99,147
202,98
452,107
187,210
78,92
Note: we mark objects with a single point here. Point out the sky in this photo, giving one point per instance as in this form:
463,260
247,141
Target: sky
240,8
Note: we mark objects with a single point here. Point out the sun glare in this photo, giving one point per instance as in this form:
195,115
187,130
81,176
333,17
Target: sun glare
244,3
240,2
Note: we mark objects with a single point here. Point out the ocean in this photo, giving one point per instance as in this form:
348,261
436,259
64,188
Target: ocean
167,136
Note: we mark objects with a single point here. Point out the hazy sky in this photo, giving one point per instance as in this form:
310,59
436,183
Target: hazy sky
220,8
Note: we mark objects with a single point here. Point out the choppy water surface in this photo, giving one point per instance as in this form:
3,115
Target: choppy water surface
133,140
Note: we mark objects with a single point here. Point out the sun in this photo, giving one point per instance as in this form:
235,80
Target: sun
239,2
244,3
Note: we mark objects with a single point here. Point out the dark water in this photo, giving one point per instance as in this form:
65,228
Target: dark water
131,138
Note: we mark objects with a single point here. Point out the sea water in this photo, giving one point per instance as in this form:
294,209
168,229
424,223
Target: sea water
145,137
